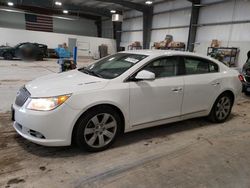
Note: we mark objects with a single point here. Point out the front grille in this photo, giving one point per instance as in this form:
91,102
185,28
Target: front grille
22,96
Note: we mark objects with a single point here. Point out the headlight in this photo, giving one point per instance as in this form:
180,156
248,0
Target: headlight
46,104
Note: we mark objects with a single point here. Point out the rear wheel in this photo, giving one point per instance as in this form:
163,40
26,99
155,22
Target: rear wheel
247,93
97,129
221,109
39,57
8,56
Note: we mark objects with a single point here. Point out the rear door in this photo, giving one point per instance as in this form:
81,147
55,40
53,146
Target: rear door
201,84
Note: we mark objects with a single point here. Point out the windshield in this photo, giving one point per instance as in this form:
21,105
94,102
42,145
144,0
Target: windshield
16,46
113,66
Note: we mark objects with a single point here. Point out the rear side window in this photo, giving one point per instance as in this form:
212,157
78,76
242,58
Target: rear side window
213,67
199,66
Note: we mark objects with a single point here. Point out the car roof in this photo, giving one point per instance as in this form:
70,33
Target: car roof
165,52
172,53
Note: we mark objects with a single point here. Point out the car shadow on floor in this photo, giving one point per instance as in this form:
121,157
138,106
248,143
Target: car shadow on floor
162,131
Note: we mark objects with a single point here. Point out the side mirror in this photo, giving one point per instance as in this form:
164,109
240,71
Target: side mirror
145,75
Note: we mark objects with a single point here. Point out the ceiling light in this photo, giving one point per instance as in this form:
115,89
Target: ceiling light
65,11
113,11
149,2
11,4
58,3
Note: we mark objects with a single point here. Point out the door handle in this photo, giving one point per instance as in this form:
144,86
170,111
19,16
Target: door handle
177,90
216,83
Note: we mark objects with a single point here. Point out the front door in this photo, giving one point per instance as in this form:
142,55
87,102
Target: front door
159,99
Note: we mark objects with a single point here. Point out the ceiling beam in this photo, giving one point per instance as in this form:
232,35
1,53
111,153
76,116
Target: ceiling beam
128,4
194,1
88,10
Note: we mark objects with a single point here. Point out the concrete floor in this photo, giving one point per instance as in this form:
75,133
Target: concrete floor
193,153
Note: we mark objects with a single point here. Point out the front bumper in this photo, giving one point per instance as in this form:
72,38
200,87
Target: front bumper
50,128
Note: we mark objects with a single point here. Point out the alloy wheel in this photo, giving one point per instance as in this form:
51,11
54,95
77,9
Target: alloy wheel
223,108
100,130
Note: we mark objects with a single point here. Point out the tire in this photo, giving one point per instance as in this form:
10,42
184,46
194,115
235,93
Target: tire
247,93
8,56
221,109
97,129
39,58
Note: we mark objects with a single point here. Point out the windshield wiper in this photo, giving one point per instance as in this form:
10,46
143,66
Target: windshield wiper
90,72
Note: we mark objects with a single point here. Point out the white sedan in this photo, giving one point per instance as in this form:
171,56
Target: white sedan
121,93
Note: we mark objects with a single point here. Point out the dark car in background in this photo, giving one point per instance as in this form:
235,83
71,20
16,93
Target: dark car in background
24,51
246,78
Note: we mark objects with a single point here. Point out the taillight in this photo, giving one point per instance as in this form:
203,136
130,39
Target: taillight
241,77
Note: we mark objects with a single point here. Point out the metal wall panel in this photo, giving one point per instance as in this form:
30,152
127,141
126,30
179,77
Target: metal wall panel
171,19
132,13
178,34
129,37
77,27
216,13
231,35
12,20
107,29
132,24
170,5
160,22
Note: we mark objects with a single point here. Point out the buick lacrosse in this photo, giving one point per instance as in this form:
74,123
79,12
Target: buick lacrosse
121,93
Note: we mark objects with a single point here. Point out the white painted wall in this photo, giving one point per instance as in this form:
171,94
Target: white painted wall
15,36
231,35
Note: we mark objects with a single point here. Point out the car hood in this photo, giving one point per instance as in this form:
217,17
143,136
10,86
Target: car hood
5,48
64,83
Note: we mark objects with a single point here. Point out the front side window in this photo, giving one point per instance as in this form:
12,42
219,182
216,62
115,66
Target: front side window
164,67
199,66
113,66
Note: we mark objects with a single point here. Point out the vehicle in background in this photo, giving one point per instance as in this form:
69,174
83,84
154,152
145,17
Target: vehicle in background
245,78
52,53
121,93
24,51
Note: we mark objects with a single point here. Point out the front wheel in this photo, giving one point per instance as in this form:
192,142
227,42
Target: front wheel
97,129
8,56
221,109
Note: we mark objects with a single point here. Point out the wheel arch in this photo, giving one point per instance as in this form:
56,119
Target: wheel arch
230,93
117,109
212,117
227,91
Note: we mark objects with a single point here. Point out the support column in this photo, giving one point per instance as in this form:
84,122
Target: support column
193,25
99,27
147,27
117,34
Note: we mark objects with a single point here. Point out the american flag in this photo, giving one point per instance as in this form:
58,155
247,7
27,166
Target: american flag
39,23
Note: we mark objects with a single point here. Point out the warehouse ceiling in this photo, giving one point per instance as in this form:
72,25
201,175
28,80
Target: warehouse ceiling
107,5
92,9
